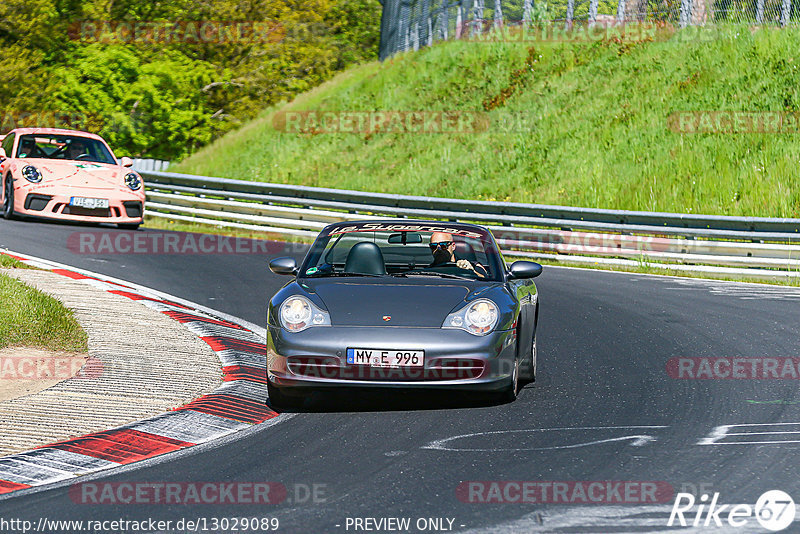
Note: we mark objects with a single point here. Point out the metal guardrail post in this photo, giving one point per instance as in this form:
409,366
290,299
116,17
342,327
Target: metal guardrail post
592,12
759,11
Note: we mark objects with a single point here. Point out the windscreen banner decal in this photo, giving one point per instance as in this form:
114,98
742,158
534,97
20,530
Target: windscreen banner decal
384,227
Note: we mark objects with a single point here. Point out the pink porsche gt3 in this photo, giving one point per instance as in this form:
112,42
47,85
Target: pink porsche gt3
68,175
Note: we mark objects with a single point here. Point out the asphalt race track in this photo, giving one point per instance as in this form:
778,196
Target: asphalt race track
603,408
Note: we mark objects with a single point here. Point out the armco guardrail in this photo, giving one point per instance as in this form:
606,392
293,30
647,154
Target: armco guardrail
756,246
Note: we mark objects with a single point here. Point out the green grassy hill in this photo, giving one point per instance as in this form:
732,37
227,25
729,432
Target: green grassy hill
599,135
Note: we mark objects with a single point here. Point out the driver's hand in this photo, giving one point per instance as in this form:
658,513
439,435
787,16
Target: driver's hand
465,264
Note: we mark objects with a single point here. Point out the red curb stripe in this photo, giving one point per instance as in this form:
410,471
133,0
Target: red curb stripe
244,372
232,407
8,487
136,296
123,445
219,343
183,317
70,274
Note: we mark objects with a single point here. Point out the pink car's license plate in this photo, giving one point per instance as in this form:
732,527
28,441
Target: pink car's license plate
89,203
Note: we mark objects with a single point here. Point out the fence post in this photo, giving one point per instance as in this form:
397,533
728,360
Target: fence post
759,11
403,26
786,11
388,29
527,7
592,12
686,13
570,12
445,18
620,11
425,38
459,21
477,10
498,13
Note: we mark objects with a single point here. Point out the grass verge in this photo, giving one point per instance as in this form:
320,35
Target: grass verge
29,318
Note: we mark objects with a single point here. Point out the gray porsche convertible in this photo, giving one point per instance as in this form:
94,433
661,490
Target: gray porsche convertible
402,304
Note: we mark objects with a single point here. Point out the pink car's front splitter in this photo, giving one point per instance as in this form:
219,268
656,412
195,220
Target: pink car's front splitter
236,405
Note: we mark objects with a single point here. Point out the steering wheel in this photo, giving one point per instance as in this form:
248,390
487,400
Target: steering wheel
82,156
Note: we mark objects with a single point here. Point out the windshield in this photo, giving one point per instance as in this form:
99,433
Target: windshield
404,251
66,147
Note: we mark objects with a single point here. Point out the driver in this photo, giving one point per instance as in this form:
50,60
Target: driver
76,149
443,249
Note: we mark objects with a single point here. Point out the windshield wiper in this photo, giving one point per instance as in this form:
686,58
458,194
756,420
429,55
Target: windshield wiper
433,273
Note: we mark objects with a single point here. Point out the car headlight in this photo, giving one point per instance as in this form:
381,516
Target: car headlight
32,174
478,318
298,313
133,181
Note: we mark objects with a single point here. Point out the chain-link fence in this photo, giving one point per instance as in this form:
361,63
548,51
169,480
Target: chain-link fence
411,24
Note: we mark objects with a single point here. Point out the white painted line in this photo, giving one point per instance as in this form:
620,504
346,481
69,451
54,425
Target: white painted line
724,431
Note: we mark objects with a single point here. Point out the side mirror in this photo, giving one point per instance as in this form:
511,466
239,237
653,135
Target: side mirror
3,154
525,269
283,266
126,162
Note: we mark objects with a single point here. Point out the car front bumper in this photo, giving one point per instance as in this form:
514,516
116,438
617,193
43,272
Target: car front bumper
453,359
43,201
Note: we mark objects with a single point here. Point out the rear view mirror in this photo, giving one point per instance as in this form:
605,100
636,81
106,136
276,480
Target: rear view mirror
126,162
405,238
525,269
3,154
283,266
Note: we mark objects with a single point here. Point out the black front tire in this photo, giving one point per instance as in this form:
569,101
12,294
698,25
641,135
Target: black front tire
528,367
279,399
8,198
509,394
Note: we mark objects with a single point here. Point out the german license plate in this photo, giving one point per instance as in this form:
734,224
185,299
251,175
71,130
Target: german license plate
386,358
89,203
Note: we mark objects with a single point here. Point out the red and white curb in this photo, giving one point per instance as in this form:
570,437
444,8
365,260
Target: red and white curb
237,405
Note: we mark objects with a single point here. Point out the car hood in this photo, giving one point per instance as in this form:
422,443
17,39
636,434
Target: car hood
73,173
406,302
